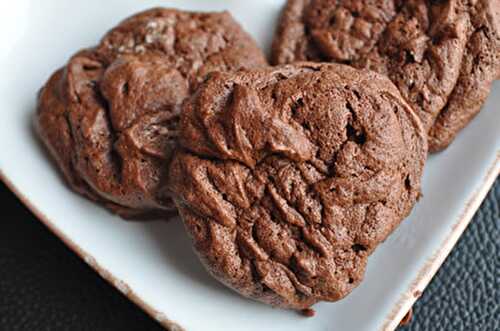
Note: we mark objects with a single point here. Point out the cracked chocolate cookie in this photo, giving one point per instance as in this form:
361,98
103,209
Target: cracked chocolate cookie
480,67
442,55
109,117
287,178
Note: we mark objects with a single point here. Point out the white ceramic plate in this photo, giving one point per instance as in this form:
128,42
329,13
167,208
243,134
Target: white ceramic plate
152,263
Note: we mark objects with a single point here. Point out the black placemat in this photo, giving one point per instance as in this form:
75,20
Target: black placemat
45,286
465,293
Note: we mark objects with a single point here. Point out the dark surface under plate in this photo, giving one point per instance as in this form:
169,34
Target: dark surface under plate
45,286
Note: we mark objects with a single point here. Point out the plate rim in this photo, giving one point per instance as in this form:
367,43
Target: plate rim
425,274
391,321
104,273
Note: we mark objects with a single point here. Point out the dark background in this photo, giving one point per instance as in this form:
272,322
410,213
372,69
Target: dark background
45,286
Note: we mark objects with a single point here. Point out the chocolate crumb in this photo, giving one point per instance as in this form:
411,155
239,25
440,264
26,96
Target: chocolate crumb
407,318
308,312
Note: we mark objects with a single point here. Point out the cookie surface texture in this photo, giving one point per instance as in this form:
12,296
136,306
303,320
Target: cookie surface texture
287,178
442,55
109,117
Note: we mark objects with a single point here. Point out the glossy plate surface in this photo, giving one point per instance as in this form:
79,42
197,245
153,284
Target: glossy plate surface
152,263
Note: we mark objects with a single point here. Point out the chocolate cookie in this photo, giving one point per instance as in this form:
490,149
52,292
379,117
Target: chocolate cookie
427,48
480,67
287,178
110,116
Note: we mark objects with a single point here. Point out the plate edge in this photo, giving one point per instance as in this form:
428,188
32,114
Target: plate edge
114,281
432,265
